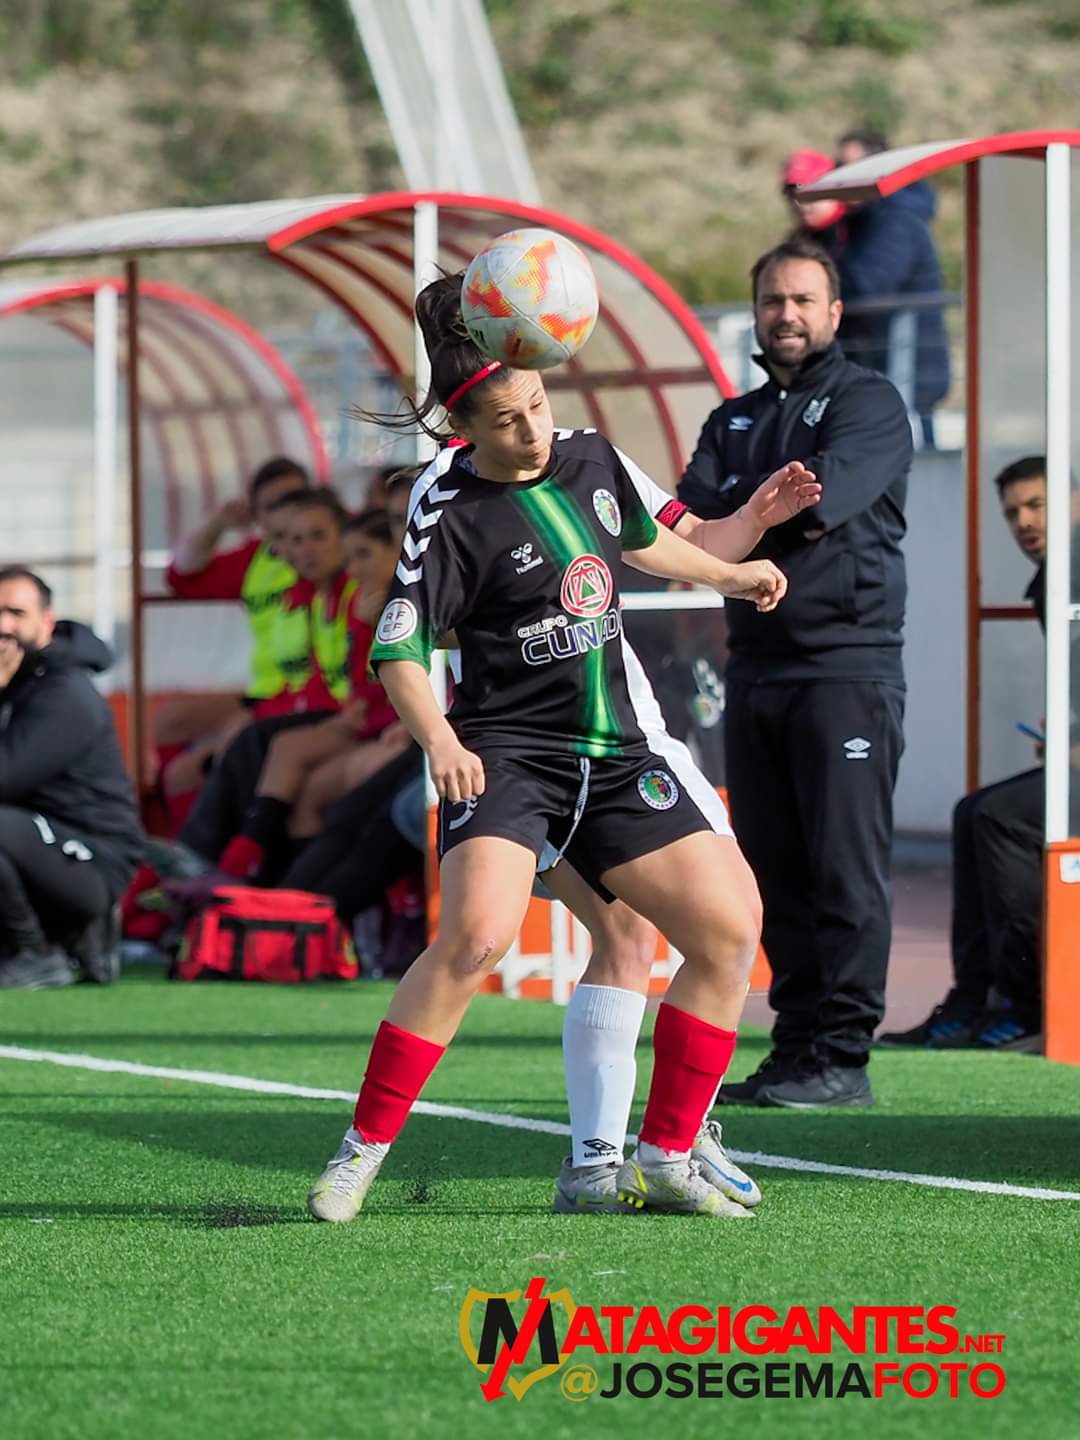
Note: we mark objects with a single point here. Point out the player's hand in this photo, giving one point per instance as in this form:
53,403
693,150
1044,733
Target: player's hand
235,514
354,714
756,580
783,495
456,773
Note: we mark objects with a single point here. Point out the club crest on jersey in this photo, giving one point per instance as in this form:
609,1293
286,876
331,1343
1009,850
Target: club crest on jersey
815,410
586,587
397,622
525,559
607,511
658,790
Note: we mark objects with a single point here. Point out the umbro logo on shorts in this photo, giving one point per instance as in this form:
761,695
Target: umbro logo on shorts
857,749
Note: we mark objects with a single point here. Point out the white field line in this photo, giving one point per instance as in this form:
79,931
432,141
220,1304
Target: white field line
511,1122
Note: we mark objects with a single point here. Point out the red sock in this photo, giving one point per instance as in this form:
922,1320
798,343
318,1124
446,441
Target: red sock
242,857
397,1070
690,1058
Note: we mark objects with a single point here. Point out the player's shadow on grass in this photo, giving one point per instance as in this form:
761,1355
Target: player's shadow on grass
299,1140
217,1215
358,1040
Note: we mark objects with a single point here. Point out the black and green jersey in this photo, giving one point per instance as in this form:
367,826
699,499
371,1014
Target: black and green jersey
526,574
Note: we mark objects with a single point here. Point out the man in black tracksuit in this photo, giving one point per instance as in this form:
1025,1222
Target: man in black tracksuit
69,832
815,689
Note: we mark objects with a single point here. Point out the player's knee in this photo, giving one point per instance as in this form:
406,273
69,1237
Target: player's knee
731,941
476,949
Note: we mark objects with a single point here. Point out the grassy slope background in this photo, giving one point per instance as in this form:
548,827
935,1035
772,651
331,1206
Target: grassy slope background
661,121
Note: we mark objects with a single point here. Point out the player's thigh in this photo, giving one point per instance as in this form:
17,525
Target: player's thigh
624,942
57,866
191,717
485,884
697,890
309,747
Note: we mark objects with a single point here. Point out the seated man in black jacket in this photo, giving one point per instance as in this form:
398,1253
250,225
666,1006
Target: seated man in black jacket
69,831
995,1001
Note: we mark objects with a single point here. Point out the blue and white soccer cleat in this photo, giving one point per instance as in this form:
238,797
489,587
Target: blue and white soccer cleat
720,1170
589,1190
676,1186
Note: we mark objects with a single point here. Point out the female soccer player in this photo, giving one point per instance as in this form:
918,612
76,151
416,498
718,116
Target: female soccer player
514,549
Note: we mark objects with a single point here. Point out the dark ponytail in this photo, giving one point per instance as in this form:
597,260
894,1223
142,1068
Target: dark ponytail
454,356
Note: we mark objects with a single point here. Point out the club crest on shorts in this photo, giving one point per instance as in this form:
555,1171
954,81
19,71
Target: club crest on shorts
397,622
607,511
658,789
586,587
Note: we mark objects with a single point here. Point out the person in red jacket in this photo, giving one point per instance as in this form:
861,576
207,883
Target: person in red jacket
254,572
307,768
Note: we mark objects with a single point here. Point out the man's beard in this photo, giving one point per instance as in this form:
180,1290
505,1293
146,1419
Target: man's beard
776,358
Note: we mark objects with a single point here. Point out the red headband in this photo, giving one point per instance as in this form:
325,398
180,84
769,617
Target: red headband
472,380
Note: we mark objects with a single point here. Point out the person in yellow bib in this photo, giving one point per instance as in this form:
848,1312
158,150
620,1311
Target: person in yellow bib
254,573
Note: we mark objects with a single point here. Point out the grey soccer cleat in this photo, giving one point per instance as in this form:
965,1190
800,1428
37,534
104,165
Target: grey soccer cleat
589,1190
676,1186
341,1189
720,1170
37,970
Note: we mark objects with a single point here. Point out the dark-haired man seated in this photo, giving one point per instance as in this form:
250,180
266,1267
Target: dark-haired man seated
69,832
995,1002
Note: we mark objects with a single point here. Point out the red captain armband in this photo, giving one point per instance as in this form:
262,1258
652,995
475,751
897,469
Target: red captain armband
671,514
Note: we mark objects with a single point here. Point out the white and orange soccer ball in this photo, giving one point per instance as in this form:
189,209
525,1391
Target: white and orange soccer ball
529,299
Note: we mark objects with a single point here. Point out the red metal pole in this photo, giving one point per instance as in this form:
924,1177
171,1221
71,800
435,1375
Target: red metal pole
974,564
136,693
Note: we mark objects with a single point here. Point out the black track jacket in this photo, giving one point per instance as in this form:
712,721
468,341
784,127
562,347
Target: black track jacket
843,615
59,753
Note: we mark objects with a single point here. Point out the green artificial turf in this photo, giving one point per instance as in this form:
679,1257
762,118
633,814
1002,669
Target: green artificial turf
159,1277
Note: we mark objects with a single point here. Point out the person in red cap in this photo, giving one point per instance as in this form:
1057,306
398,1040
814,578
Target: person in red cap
819,219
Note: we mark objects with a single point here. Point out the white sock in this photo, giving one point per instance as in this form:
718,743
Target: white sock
600,1034
656,1153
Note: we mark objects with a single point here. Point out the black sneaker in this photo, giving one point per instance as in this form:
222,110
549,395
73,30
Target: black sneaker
96,948
36,970
817,1083
945,1028
775,1067
1008,1030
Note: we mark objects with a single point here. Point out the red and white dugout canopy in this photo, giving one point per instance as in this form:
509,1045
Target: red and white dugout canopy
647,377
216,397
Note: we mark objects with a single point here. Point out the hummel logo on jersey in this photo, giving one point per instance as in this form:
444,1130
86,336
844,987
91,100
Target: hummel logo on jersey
815,410
857,749
741,422
525,558
596,1149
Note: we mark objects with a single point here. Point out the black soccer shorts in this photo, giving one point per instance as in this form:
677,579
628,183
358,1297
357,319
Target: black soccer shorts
597,813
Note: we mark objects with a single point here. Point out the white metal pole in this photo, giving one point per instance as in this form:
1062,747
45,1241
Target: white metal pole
425,269
106,332
1058,456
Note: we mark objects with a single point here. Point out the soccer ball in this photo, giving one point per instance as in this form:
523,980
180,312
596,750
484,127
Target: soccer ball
529,299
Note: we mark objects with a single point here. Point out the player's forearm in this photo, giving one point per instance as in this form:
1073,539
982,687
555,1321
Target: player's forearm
672,558
730,539
195,551
407,684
